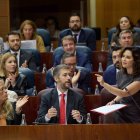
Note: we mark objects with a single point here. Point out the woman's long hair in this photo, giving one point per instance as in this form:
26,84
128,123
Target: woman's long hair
3,72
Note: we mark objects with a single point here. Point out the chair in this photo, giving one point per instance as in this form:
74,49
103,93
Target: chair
45,36
113,30
47,58
30,79
30,109
40,81
97,57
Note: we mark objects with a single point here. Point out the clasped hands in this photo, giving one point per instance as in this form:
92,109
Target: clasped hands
52,112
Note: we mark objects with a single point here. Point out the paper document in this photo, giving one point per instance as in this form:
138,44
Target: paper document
108,108
28,44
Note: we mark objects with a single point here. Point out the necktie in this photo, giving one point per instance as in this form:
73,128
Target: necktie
75,37
62,117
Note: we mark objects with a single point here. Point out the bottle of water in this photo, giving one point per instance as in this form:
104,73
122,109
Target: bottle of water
103,46
97,91
52,47
44,70
34,91
23,120
100,68
88,121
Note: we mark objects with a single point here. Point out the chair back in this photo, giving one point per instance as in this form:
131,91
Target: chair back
45,36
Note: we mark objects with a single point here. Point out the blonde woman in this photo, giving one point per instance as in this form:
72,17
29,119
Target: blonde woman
9,113
28,32
14,80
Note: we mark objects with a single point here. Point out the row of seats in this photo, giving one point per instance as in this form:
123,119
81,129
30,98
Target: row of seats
97,56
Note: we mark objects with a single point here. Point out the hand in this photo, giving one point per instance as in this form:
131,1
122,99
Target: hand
76,115
111,102
20,102
11,80
100,79
75,78
25,64
52,112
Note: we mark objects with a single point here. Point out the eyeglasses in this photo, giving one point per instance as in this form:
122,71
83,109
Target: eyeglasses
75,21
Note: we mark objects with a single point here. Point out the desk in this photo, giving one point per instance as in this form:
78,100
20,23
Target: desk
71,132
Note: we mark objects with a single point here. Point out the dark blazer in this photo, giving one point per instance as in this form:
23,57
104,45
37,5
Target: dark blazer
20,86
110,75
74,101
83,57
26,55
83,82
87,36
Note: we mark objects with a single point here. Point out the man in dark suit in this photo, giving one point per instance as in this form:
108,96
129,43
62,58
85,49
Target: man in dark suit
80,76
82,53
51,110
111,71
25,59
84,36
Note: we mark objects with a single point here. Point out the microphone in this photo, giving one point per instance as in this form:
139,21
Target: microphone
137,105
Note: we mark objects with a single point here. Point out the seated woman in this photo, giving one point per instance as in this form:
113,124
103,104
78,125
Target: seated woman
10,113
28,32
125,23
14,80
128,86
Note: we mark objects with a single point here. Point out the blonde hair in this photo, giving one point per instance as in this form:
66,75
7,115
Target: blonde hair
28,22
6,109
3,72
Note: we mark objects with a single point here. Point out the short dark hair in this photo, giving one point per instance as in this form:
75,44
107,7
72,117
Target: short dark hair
68,37
67,55
115,48
136,56
75,13
58,68
12,33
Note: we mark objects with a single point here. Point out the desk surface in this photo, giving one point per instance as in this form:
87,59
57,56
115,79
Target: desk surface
71,132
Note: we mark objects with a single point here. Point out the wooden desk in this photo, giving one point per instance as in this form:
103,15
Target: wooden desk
71,132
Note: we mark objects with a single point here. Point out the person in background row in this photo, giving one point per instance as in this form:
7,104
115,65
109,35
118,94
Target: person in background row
125,40
62,105
52,26
14,80
128,86
28,32
83,36
125,23
80,76
82,53
10,113
111,71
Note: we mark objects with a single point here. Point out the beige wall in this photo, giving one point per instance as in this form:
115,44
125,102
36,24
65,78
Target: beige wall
109,11
4,18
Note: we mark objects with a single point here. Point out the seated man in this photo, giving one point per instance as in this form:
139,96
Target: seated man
25,59
82,53
111,71
125,40
80,76
84,36
62,105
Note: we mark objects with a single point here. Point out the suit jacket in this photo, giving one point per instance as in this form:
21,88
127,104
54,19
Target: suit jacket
83,82
83,56
74,101
87,36
26,55
110,75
